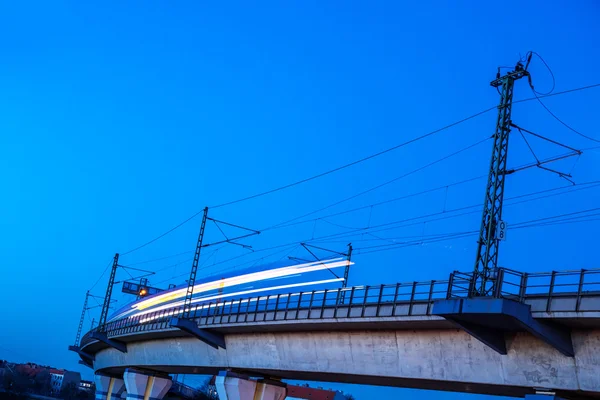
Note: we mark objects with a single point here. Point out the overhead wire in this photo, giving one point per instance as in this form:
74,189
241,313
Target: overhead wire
444,215
382,184
442,237
352,231
565,124
386,226
160,258
537,96
382,202
355,162
164,234
101,275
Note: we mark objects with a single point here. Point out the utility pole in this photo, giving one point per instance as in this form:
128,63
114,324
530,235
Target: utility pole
109,288
346,271
187,305
82,318
484,279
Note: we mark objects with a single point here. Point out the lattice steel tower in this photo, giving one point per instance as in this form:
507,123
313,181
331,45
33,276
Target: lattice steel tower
486,261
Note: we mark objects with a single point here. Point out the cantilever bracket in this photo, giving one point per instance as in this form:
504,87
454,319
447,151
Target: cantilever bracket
115,344
212,339
490,337
486,319
82,353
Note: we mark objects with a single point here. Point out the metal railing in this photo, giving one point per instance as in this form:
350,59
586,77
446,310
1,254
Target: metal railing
519,286
401,299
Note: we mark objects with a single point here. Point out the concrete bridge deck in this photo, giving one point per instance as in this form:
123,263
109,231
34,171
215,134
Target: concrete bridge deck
373,338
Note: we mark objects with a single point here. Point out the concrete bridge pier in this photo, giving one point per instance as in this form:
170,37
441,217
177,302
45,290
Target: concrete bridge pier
108,387
143,386
231,386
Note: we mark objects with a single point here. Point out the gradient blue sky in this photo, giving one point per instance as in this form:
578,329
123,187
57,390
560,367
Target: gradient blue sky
119,121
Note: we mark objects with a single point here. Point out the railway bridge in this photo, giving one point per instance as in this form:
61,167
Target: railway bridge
537,335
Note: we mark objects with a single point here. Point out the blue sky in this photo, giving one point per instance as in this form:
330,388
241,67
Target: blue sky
117,121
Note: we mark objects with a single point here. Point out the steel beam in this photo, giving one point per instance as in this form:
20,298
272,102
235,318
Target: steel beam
212,339
115,344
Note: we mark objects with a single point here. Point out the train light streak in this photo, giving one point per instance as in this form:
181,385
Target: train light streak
208,306
241,279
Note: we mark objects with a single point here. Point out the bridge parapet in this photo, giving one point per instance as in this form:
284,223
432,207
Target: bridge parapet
547,293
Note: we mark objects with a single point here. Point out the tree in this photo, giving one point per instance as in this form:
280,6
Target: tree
69,391
41,382
19,382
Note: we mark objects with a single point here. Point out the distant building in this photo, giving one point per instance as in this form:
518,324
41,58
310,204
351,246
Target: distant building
56,381
59,379
86,386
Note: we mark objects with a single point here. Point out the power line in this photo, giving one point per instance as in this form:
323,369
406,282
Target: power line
564,123
312,177
383,184
578,89
536,94
386,226
549,70
164,234
160,258
355,162
322,218
350,164
456,235
444,214
432,238
101,275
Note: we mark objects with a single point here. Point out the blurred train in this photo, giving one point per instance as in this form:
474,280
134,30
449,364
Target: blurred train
272,279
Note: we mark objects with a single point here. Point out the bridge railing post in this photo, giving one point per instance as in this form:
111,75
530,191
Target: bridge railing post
450,284
431,286
550,291
350,301
379,300
364,304
499,282
256,308
299,305
238,310
323,303
265,309
395,299
208,313
246,312
523,287
412,298
221,309
580,289
287,306
276,307
337,303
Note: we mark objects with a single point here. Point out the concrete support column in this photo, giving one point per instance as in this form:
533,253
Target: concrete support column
142,386
231,386
108,387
